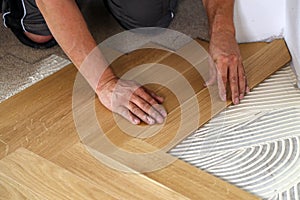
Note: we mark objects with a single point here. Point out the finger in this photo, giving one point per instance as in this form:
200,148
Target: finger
212,73
159,99
233,80
148,109
222,73
247,89
242,81
150,100
134,109
124,112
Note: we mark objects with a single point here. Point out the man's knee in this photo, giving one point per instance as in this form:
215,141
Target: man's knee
38,38
143,13
27,23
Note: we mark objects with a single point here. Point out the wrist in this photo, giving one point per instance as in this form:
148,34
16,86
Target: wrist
221,24
106,77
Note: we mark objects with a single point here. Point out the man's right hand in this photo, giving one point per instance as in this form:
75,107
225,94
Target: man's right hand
132,101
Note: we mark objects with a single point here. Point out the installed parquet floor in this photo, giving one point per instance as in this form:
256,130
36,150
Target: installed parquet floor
42,156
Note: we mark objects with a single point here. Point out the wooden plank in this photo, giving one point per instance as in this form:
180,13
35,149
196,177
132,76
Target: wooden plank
9,189
119,184
189,180
40,115
266,61
180,176
258,67
246,49
46,179
3,149
24,115
171,104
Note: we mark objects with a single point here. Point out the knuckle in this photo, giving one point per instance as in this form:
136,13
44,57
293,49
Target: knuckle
139,90
135,110
234,58
224,77
233,79
145,106
152,101
224,59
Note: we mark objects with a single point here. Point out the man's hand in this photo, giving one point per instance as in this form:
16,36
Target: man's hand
227,66
226,60
132,101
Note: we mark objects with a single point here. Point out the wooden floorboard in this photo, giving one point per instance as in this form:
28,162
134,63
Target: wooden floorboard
10,189
46,179
112,181
40,119
41,115
265,61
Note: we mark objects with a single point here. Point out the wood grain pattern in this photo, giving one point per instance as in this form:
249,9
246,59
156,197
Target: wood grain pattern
3,149
188,180
47,179
272,56
40,119
10,189
112,181
41,115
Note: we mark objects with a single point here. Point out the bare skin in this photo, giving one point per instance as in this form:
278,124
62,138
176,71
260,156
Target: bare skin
73,36
128,98
38,38
224,50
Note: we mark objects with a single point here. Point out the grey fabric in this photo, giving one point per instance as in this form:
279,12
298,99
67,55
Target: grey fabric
143,13
24,14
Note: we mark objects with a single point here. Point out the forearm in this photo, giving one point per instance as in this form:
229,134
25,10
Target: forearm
220,15
68,27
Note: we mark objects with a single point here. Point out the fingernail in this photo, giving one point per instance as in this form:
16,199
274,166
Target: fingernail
236,101
247,90
163,113
223,97
136,121
162,99
150,120
241,96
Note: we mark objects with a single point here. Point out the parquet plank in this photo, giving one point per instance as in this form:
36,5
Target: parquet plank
180,176
258,67
119,184
271,57
9,189
41,115
46,179
246,49
3,149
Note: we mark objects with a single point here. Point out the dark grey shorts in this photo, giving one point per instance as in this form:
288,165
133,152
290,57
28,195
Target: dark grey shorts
24,15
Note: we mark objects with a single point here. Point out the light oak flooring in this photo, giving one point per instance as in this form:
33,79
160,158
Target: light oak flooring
42,156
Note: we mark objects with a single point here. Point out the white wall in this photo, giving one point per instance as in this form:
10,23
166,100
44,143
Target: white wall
292,33
259,20
265,20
